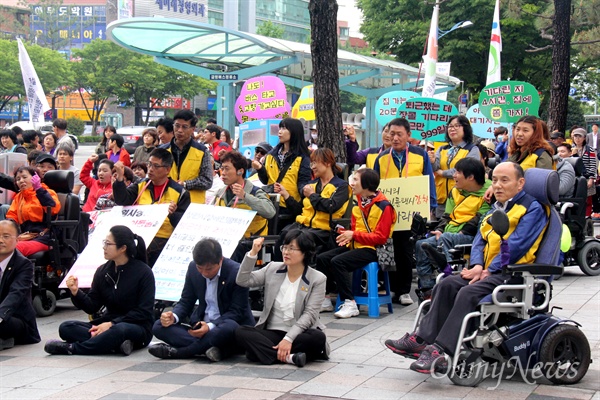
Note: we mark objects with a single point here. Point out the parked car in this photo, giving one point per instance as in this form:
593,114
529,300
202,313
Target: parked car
132,136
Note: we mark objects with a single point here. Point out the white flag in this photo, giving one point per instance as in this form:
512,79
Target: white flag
430,60
38,104
493,74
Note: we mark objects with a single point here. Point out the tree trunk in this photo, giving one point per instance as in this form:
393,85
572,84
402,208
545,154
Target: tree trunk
325,75
561,61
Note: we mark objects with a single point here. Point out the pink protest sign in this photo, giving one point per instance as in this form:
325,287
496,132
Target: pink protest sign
262,97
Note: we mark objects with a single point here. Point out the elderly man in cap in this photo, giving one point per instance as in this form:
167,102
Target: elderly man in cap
557,138
44,163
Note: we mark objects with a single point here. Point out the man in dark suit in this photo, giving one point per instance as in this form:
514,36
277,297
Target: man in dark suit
222,307
17,317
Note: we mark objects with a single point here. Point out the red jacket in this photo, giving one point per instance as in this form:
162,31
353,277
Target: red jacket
381,222
217,146
123,156
96,188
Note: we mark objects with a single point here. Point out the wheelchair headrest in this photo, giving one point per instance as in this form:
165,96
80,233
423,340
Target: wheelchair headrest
60,181
542,184
577,164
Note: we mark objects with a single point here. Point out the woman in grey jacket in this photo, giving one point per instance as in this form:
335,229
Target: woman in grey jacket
289,329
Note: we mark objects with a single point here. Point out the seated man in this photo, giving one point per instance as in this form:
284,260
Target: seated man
158,188
45,162
458,295
223,306
17,317
464,208
241,193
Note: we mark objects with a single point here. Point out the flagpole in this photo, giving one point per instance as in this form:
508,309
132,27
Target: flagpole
36,98
494,67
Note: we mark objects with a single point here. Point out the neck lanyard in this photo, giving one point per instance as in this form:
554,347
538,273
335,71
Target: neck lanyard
146,187
399,169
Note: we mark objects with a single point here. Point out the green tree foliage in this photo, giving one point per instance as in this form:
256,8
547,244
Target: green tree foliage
54,23
270,29
76,125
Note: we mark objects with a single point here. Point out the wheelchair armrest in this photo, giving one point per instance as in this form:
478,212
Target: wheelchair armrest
65,223
270,240
431,225
536,269
460,249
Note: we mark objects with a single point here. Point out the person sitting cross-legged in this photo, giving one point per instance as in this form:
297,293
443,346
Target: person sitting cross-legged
457,295
222,307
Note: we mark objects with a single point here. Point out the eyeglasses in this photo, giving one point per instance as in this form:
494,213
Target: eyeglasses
288,249
454,126
155,166
106,243
6,237
259,151
178,126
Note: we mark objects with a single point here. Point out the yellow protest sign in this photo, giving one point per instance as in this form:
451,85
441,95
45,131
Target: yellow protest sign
407,195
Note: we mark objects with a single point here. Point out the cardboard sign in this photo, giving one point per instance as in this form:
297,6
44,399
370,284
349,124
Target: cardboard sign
305,106
482,126
428,117
226,225
262,97
508,101
387,105
144,221
408,196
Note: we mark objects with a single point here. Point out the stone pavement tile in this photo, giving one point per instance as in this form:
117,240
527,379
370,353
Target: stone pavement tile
200,392
27,393
256,372
496,394
48,361
4,358
273,385
175,378
355,370
10,369
440,389
388,359
361,393
341,356
345,326
92,390
200,368
131,376
56,383
544,397
563,391
158,366
247,394
30,375
404,376
119,396
327,390
320,366
159,389
223,381
333,334
513,385
302,375
396,385
292,396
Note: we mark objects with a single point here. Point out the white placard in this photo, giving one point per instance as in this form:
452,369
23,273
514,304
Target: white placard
144,220
226,225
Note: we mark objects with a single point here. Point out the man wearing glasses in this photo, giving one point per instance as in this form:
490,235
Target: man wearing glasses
158,188
191,162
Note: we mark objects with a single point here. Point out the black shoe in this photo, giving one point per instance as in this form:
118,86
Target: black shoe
213,354
7,343
299,359
163,350
58,347
126,347
437,259
423,294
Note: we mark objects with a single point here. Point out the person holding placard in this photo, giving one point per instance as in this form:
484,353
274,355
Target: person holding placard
158,188
222,307
459,136
124,289
404,160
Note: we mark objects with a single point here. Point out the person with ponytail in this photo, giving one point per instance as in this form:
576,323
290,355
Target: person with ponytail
123,288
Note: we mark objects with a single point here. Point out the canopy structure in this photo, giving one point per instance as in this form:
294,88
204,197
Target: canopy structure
228,56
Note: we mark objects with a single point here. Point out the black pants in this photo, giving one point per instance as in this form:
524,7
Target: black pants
343,261
12,328
452,299
401,279
320,236
259,343
77,332
154,249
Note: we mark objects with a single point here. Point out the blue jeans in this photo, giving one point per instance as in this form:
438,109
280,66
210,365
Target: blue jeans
424,268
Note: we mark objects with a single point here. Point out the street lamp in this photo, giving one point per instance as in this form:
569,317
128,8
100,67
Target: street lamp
461,24
55,94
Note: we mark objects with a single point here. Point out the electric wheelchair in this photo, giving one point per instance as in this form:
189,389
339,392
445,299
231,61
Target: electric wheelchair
512,327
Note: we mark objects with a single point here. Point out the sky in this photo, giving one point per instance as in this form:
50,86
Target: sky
347,11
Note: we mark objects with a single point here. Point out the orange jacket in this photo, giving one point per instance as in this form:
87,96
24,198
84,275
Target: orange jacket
29,206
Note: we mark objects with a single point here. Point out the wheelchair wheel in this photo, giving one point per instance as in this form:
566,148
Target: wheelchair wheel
44,307
588,258
565,355
470,374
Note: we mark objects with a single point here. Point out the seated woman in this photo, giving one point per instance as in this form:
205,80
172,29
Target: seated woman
124,287
28,208
289,329
97,187
372,223
324,198
528,147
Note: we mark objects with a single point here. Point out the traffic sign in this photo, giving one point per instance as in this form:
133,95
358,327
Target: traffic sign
463,98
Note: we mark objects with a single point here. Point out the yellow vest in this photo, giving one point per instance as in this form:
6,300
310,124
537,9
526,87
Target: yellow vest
290,179
375,213
465,208
259,225
413,166
170,194
371,157
444,185
312,218
531,160
189,170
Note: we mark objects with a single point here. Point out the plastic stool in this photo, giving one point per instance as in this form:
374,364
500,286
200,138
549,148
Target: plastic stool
372,299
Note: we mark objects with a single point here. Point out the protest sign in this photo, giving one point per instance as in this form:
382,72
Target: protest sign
482,126
262,97
427,117
305,106
387,105
226,225
145,221
408,196
507,101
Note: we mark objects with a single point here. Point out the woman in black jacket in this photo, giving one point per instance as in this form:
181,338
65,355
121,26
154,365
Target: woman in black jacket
124,286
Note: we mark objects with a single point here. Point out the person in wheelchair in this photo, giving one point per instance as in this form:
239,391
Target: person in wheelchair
458,295
464,208
241,193
372,223
28,209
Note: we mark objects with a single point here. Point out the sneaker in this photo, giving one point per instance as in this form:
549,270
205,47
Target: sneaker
299,359
437,259
347,309
213,354
326,306
8,343
163,350
406,300
406,346
126,347
58,347
432,358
